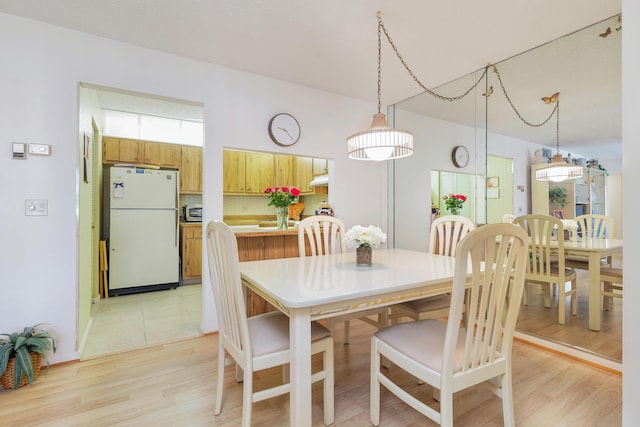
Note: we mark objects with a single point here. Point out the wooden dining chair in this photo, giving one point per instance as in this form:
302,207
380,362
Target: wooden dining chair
323,235
446,232
448,356
508,218
259,342
546,264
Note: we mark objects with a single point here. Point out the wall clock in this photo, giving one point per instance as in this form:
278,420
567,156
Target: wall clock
284,129
460,156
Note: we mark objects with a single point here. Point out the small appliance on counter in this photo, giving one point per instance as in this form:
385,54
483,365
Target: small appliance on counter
192,213
324,208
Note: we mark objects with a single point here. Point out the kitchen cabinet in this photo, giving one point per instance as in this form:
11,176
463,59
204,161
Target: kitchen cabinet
122,150
191,170
284,170
259,172
191,252
320,167
254,246
162,154
304,174
233,171
586,195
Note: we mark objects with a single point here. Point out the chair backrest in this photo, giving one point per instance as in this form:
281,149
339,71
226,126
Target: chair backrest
324,233
497,254
597,226
447,231
222,255
544,246
508,218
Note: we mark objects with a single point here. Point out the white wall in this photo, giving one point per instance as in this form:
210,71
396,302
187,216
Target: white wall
39,256
631,178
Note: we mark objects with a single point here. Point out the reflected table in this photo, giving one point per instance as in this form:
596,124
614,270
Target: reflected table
594,250
313,288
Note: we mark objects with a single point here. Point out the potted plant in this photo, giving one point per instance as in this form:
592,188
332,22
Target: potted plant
21,355
558,196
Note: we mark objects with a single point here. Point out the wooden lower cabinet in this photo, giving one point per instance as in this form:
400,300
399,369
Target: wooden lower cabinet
265,245
191,252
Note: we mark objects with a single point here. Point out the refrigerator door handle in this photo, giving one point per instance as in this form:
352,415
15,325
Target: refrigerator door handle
177,227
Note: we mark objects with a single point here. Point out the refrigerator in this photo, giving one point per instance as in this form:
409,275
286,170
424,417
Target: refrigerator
143,230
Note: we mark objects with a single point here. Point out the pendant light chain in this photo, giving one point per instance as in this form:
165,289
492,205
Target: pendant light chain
557,110
406,67
379,66
513,107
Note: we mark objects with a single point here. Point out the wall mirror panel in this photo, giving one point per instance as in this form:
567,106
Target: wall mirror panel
585,67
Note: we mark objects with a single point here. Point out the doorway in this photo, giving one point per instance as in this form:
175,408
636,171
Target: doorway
114,324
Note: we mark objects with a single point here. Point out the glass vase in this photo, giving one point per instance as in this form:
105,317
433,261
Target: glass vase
282,216
363,256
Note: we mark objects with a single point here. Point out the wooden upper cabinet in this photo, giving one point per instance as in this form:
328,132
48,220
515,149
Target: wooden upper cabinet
233,171
191,170
284,169
162,154
320,167
120,150
259,172
304,174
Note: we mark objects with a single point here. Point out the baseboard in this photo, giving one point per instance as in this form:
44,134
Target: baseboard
575,353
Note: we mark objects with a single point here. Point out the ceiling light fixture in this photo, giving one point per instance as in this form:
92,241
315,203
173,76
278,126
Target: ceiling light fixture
558,170
380,142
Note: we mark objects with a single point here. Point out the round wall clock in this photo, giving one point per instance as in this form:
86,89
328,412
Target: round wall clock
284,129
460,156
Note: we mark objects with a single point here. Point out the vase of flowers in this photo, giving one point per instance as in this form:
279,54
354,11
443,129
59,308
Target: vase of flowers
454,202
363,239
282,198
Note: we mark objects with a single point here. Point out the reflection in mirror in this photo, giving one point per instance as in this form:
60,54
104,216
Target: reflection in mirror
446,183
585,68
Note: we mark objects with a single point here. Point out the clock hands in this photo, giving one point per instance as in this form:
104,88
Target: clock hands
287,132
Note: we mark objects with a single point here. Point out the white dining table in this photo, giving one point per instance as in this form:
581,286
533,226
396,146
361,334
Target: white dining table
313,288
594,250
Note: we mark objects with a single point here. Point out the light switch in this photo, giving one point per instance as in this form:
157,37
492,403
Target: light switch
19,150
35,207
40,149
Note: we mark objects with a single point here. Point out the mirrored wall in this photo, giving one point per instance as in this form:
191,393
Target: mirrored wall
585,67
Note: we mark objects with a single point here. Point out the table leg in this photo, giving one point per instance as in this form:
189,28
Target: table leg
300,367
594,291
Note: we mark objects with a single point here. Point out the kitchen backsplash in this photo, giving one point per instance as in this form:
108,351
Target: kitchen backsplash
252,205
188,199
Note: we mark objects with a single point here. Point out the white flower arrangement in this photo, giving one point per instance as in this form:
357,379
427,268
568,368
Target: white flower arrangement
570,224
365,236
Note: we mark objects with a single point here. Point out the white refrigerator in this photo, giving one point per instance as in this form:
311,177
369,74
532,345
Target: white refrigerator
143,230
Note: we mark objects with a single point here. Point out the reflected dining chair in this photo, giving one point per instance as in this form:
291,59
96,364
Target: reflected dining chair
448,356
612,285
591,226
508,218
546,264
446,232
259,342
324,235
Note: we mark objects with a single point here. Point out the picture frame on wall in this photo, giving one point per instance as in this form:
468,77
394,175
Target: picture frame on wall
558,213
493,182
493,193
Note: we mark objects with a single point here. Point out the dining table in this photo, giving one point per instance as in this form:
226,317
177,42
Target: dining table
314,288
594,250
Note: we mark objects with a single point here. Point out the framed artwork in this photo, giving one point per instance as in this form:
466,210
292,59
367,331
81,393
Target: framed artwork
558,214
493,182
493,193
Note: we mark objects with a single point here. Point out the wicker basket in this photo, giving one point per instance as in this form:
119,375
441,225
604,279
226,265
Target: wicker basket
6,380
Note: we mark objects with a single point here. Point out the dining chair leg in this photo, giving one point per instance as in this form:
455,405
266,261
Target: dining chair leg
574,297
446,409
220,381
247,399
374,391
506,392
562,303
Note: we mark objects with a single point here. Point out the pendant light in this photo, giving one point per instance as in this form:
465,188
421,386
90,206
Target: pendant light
558,170
380,142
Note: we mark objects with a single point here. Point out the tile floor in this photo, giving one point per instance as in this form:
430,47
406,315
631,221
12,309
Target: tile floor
135,321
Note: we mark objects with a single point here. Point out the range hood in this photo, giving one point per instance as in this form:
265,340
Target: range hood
320,181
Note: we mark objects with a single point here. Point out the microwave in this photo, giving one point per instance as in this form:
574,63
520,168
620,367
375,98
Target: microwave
192,213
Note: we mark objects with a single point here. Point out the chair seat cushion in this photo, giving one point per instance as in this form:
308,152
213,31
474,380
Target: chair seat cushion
428,304
422,341
269,332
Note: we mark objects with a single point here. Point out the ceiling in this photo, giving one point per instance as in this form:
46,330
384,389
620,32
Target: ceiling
329,45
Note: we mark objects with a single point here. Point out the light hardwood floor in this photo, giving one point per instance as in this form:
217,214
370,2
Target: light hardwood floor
174,385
